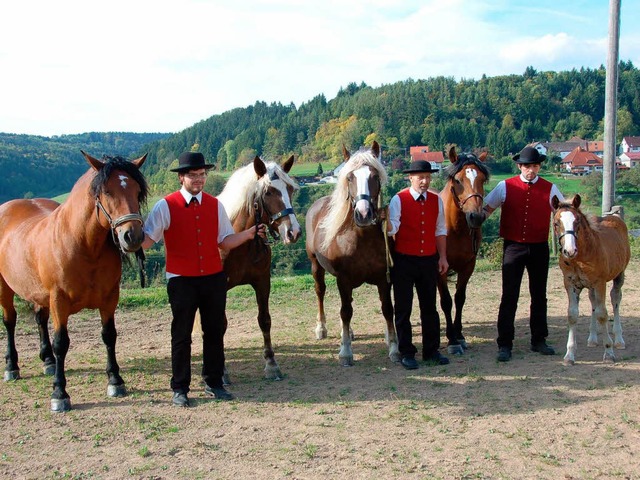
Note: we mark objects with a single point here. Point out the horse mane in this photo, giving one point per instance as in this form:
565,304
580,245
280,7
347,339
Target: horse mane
465,159
243,187
119,163
339,205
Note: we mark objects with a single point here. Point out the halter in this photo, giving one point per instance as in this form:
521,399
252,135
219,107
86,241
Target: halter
273,218
567,232
129,217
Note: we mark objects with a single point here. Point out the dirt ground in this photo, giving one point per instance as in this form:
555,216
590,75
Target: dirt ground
530,418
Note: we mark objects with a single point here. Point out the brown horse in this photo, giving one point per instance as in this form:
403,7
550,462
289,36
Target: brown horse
344,239
462,198
592,252
64,258
259,193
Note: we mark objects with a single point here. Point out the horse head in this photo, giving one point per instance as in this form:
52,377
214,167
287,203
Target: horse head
364,184
119,189
566,224
273,199
467,177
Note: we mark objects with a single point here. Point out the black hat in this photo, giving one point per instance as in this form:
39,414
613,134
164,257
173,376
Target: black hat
419,166
529,155
191,161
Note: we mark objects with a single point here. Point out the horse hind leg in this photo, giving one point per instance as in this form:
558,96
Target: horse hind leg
446,304
597,296
390,335
9,318
616,298
320,288
115,386
46,351
346,313
271,369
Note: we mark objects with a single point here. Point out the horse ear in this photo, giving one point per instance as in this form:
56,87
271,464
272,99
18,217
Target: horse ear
453,156
259,167
286,166
375,149
555,202
94,162
483,157
139,161
577,200
345,153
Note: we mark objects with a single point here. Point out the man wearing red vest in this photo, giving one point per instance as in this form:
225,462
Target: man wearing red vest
416,218
194,226
524,225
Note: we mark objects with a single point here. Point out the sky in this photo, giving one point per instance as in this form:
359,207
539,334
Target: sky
75,66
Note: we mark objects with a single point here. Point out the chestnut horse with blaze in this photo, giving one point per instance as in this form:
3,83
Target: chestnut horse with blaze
593,251
462,198
65,258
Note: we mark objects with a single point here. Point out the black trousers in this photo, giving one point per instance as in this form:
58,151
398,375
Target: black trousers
516,257
186,295
422,273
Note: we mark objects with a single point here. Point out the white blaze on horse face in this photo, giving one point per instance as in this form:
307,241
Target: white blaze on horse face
295,226
569,247
123,180
362,185
471,174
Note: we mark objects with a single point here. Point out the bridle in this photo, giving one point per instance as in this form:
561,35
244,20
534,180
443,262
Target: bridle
567,232
368,198
113,224
475,245
259,209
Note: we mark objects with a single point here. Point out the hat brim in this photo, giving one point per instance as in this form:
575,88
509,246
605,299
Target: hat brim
182,169
421,170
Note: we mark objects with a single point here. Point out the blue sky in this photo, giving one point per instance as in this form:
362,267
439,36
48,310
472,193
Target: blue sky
76,66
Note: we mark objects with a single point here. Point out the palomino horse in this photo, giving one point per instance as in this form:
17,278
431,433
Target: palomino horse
592,252
344,239
64,258
462,199
259,193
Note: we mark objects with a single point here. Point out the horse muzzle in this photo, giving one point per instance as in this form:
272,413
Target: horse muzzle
475,219
130,237
363,213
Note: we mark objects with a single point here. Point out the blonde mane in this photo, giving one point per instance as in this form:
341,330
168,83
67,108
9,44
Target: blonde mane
243,187
340,208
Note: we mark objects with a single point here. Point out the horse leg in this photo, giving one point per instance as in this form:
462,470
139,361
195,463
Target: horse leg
9,318
115,386
460,298
320,288
390,335
46,351
446,304
60,401
616,298
594,330
346,313
226,380
597,295
262,290
573,294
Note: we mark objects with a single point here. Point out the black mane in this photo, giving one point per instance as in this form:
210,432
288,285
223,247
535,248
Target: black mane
119,163
465,159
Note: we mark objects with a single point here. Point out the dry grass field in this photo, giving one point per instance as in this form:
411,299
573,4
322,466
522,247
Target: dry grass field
531,418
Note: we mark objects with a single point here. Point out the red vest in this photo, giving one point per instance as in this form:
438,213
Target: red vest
191,241
526,211
417,233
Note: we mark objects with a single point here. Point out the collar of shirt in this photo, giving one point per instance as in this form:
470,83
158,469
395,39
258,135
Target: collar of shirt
187,196
524,180
415,194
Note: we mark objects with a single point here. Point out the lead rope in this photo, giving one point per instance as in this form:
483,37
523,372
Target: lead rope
386,239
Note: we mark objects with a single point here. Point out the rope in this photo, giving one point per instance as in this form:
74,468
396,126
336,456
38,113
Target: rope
386,239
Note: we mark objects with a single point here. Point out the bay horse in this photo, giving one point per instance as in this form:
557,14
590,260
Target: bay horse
344,238
65,258
259,193
462,199
593,251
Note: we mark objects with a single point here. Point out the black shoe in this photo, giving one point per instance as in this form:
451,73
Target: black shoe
542,348
218,393
436,359
504,354
409,363
180,399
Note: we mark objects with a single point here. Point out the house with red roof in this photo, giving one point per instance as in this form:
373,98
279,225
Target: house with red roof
630,159
582,162
630,144
422,152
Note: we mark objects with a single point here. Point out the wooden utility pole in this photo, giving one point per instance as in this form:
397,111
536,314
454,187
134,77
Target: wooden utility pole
611,110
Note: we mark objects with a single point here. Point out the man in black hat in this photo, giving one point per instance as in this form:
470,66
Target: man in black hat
416,218
524,225
194,225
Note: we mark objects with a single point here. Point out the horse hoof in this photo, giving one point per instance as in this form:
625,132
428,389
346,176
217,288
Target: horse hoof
395,357
568,362
116,391
60,405
463,343
49,370
346,361
10,375
273,374
226,381
610,359
455,350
